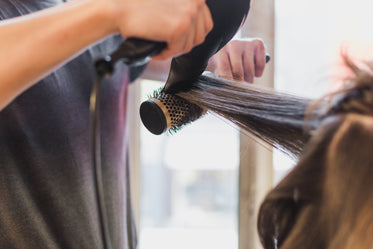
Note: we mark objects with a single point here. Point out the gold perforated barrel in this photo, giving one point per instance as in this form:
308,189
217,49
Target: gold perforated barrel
168,112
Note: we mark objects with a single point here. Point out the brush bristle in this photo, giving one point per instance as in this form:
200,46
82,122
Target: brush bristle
177,111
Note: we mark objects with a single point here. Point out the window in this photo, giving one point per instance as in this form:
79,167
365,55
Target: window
309,38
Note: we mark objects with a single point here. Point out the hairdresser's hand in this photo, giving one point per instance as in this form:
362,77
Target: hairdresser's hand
183,24
239,60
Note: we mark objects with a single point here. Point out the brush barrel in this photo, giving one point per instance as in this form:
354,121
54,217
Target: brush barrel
154,117
168,112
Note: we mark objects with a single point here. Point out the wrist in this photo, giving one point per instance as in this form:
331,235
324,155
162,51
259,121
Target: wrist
125,16
106,13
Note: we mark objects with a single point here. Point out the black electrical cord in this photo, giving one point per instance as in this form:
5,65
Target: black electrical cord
132,52
96,160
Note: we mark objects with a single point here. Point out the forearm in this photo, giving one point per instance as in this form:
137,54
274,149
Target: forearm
33,45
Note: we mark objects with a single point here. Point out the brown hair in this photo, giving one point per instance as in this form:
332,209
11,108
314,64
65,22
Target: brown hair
276,118
326,201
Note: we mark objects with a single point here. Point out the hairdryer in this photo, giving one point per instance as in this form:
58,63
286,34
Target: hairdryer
167,110
227,17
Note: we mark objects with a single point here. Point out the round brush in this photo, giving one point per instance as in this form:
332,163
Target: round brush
168,112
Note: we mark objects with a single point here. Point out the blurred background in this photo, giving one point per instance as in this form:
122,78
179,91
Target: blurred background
201,187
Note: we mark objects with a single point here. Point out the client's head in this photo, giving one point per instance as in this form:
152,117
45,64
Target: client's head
326,201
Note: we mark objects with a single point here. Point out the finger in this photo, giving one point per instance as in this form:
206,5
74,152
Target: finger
200,30
260,60
209,24
179,46
174,48
236,61
165,54
203,25
223,66
249,66
189,42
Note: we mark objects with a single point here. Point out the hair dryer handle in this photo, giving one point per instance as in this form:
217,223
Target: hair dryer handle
133,52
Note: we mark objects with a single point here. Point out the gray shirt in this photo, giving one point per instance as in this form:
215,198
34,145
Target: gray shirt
47,198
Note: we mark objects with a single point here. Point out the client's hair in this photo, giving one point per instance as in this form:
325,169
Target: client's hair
276,118
326,201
